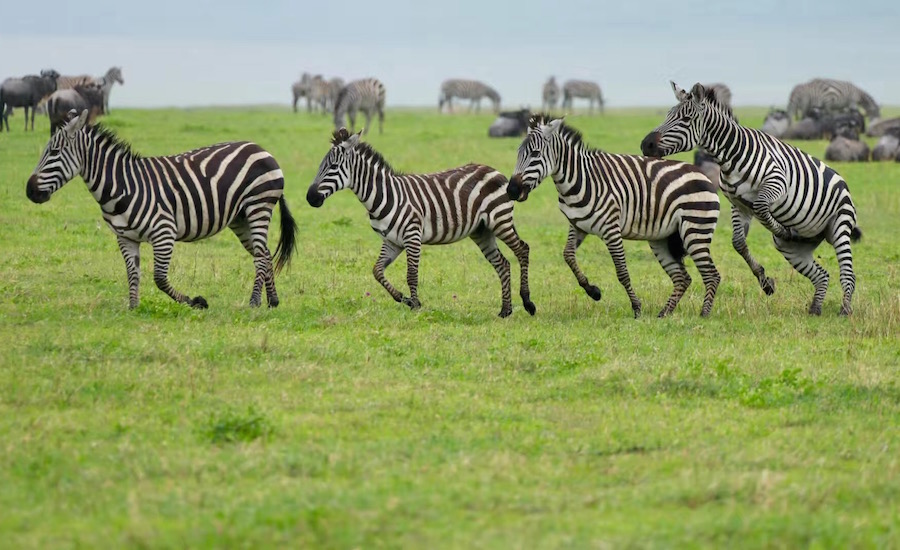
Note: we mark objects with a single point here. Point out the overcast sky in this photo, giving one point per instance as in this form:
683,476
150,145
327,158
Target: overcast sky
227,52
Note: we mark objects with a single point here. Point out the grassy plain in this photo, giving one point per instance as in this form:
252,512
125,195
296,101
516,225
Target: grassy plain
344,420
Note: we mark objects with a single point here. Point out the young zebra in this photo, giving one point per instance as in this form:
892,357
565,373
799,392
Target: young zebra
670,204
583,89
550,94
801,200
411,210
366,95
160,200
467,89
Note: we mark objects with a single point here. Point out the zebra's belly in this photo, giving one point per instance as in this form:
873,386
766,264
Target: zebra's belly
119,225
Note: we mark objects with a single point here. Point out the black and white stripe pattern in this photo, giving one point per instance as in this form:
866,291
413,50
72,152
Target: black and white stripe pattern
670,204
467,89
582,89
161,200
830,95
550,94
800,199
411,210
366,95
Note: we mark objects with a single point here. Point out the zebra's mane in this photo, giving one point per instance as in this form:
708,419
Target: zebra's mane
102,133
367,151
713,99
571,135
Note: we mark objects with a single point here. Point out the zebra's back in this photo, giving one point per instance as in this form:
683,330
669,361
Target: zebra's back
454,202
465,89
581,88
365,93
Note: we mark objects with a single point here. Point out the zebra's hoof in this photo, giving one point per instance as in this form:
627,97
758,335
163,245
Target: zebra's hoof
505,312
637,310
255,303
529,307
846,311
273,303
815,309
594,292
768,285
413,303
199,303
664,312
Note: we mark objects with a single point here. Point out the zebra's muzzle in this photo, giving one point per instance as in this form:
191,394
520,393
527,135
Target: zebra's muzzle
33,193
515,190
314,198
650,145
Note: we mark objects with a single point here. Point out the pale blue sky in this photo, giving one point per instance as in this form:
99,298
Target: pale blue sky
227,52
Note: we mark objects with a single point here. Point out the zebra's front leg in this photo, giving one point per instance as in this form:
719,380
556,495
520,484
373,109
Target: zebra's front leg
389,253
131,252
487,242
576,237
613,240
163,246
772,190
413,245
740,226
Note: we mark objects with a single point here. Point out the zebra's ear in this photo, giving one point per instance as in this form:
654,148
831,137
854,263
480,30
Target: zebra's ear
352,141
553,126
679,93
698,92
76,123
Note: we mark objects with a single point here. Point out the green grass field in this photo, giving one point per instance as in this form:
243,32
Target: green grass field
345,420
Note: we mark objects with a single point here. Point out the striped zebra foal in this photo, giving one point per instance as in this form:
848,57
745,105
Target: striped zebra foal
366,95
797,197
161,200
669,204
409,210
467,89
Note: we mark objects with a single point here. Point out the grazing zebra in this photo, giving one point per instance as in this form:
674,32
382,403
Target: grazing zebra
670,204
582,89
467,89
800,199
830,95
366,95
411,210
550,94
161,200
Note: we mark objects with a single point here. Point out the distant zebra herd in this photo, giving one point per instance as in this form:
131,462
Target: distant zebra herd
59,94
674,206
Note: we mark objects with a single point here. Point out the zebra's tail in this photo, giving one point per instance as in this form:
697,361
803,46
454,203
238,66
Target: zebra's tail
288,242
855,234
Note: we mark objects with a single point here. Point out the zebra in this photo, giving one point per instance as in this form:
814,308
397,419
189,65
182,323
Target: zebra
583,89
550,94
161,200
797,197
409,210
670,204
112,76
305,87
830,95
366,95
467,89
334,88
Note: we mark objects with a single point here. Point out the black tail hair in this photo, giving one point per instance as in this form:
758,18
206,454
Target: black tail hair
855,234
288,242
676,246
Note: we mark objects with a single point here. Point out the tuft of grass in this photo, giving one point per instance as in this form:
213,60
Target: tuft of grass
230,426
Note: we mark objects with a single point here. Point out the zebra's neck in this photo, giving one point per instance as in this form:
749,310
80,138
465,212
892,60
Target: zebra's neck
572,158
722,136
105,165
374,181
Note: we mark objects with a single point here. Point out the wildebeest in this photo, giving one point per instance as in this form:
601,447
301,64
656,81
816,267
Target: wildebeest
25,92
888,147
880,128
777,122
88,97
811,127
847,117
846,146
510,124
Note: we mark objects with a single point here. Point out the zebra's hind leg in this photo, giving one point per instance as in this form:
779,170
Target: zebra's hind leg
840,238
613,240
510,237
673,263
800,255
163,246
389,253
576,237
487,242
254,242
131,252
696,244
740,225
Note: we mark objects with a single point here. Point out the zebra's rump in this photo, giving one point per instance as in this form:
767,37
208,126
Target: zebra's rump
454,203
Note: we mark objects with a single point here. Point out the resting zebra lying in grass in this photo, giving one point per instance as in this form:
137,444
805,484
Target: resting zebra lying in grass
409,210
